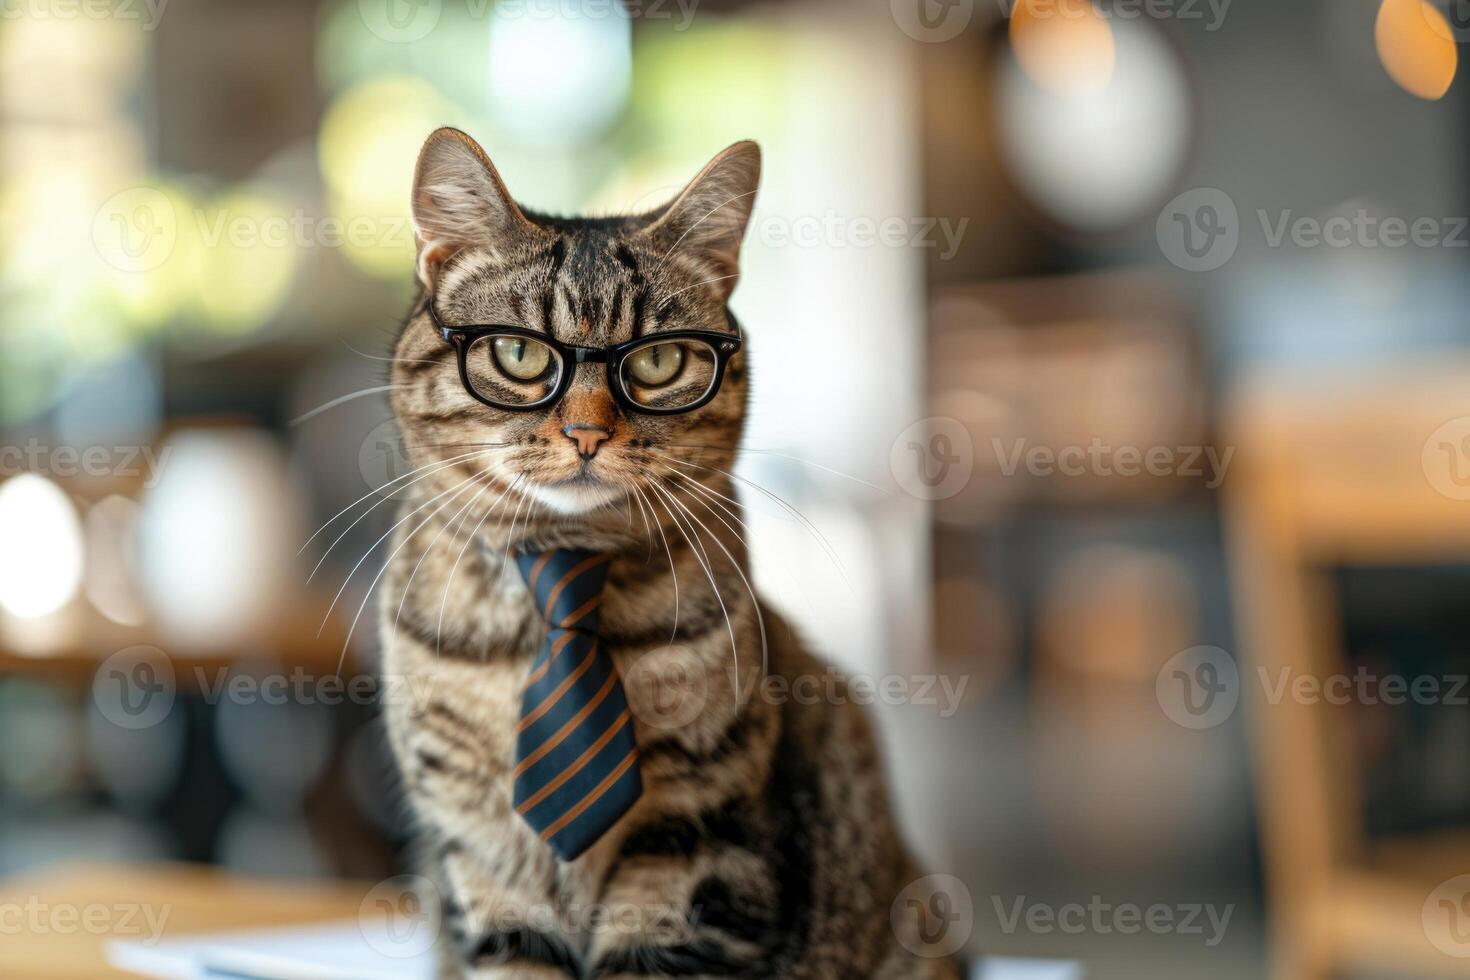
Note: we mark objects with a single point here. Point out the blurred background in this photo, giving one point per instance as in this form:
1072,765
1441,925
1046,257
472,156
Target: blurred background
1113,352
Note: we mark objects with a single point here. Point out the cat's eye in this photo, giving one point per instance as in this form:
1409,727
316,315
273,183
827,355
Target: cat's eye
522,358
656,364
671,375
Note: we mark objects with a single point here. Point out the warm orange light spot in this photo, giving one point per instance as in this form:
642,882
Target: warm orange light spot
1416,47
1065,46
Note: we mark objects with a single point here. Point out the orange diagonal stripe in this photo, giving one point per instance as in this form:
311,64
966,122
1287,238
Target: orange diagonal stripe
536,570
593,796
570,577
557,646
569,727
550,700
582,610
581,761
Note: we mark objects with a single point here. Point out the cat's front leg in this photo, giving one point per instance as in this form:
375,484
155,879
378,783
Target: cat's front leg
503,926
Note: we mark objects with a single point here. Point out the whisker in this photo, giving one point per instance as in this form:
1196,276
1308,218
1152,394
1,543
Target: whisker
701,556
696,224
665,301
674,634
376,490
754,601
795,459
458,515
368,593
798,515
361,517
444,600
379,357
342,400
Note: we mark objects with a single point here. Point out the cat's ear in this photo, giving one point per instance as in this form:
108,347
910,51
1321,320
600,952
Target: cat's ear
710,214
459,201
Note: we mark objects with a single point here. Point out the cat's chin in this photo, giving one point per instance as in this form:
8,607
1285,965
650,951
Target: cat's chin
577,496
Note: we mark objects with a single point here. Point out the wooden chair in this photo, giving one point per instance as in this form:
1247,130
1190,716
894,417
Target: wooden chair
1351,471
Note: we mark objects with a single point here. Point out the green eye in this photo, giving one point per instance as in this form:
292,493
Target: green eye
656,364
522,358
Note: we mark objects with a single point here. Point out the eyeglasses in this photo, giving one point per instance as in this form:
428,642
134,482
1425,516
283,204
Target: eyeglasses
521,370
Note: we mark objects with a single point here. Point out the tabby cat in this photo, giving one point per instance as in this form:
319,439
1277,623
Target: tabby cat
762,844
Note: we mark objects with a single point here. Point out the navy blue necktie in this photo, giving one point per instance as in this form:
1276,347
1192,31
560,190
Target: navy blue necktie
576,760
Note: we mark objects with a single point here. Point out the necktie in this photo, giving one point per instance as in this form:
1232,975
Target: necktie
576,761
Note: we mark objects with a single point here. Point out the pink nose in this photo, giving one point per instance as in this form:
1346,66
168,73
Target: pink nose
587,437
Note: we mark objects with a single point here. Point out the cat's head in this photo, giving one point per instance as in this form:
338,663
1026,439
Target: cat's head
590,285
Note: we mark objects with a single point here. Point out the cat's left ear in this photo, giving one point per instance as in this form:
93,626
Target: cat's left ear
710,215
459,201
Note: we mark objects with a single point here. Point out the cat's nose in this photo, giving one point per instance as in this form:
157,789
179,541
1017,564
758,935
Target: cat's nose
587,437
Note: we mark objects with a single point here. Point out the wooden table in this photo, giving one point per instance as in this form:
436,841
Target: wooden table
55,925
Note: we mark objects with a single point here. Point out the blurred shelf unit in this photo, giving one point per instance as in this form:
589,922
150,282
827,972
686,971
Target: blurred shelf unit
1363,470
1076,391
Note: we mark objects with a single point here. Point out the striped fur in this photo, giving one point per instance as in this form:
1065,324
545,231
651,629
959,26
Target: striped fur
763,844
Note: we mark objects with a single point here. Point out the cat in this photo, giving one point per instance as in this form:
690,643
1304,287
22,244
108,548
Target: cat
762,844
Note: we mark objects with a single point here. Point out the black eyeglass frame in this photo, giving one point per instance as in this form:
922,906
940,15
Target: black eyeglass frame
461,338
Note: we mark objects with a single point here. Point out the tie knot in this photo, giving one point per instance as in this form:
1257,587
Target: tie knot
566,584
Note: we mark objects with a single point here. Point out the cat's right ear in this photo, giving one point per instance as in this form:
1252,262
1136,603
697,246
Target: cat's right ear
459,201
